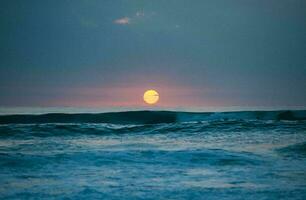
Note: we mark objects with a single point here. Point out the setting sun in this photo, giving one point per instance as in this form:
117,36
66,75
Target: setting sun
151,97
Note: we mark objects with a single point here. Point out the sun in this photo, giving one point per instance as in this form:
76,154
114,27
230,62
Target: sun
151,97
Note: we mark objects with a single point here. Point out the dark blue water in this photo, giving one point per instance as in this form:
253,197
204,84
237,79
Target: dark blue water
154,155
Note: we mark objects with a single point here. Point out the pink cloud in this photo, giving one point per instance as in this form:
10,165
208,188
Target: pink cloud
122,21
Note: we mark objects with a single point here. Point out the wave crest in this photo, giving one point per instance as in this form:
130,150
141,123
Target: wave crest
151,117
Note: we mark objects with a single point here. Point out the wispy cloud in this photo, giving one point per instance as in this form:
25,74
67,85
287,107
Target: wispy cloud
139,17
140,14
123,21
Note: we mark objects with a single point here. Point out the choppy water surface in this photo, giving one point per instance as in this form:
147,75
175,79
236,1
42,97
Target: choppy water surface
210,159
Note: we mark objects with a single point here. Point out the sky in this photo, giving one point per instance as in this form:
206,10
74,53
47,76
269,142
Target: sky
197,53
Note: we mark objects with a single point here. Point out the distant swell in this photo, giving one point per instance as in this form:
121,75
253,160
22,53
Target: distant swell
151,117
131,117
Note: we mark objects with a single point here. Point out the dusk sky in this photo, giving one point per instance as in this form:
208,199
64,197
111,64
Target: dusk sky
193,52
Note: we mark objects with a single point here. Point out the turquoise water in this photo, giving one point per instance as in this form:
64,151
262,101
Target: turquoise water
246,155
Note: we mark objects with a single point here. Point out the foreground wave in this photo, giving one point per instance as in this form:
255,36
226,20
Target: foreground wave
151,117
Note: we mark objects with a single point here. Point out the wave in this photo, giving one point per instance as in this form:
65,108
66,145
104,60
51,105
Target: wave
294,150
151,117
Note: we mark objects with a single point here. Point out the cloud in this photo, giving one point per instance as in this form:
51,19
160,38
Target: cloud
123,21
138,17
140,14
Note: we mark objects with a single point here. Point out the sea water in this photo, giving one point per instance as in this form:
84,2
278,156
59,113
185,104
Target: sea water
154,155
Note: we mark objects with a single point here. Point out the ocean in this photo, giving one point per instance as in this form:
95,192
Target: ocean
154,155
